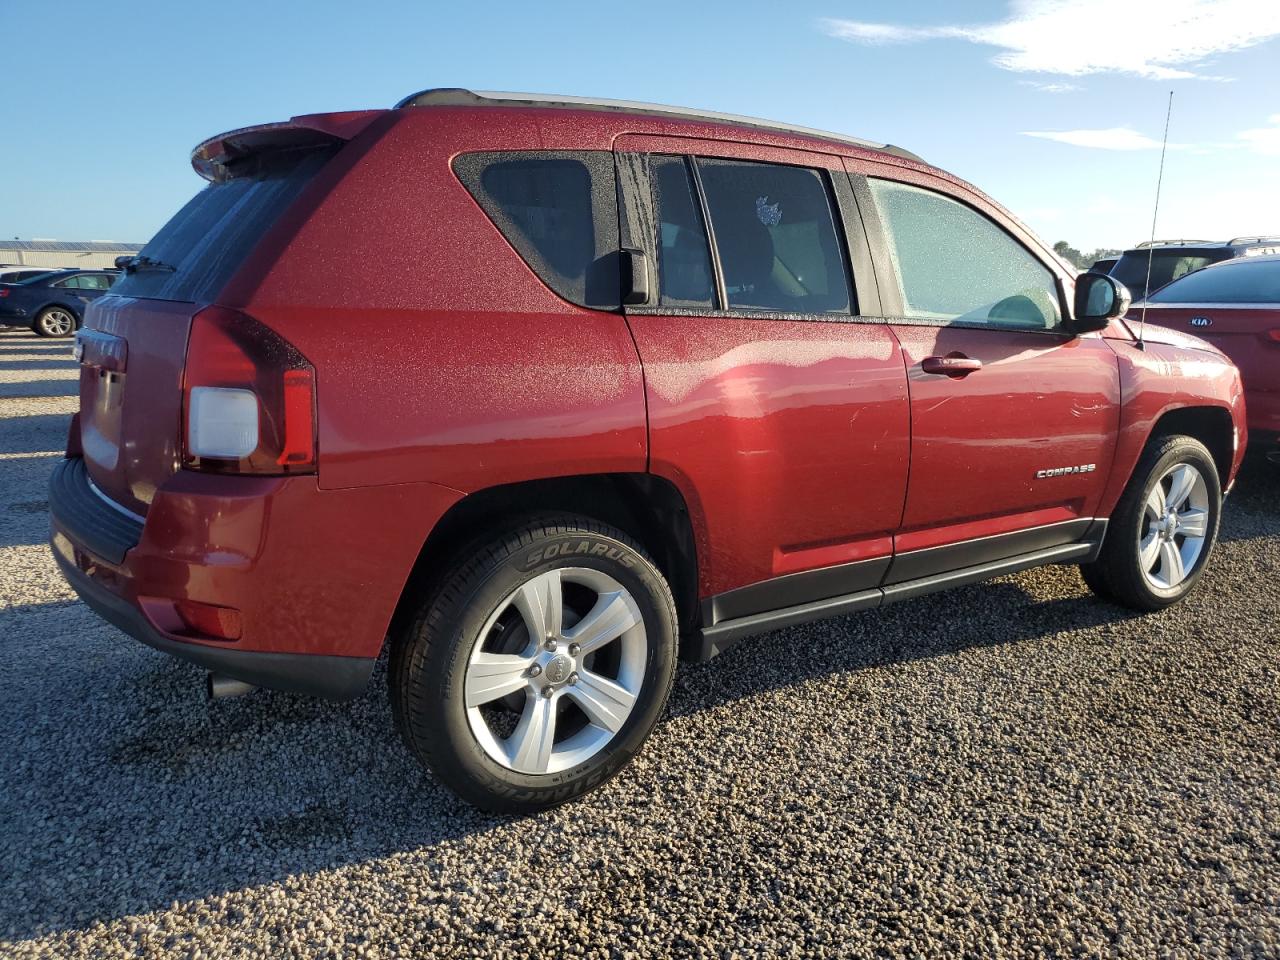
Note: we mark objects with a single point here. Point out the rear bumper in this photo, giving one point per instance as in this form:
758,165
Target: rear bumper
315,575
335,678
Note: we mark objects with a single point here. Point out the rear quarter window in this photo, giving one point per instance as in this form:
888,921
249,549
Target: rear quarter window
559,211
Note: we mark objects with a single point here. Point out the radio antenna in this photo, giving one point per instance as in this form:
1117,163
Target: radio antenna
1151,249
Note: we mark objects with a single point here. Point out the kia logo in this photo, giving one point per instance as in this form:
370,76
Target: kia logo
1201,322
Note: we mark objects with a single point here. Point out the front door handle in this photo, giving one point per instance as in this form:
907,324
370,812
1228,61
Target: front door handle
954,365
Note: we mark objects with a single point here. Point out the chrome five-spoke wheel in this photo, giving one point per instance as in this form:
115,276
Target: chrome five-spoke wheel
556,670
1175,525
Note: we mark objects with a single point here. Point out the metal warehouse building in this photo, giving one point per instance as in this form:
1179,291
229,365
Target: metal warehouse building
63,253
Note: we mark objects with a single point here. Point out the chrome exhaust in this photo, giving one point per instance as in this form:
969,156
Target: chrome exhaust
218,687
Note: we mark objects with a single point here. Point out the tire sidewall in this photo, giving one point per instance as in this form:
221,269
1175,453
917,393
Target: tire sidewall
444,715
1185,450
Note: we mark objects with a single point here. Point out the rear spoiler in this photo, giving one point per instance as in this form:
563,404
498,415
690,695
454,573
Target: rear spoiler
218,158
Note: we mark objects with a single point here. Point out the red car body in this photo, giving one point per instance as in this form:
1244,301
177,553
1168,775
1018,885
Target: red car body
1249,334
778,468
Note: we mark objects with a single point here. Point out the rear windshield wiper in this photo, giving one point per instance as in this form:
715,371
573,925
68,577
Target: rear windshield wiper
135,264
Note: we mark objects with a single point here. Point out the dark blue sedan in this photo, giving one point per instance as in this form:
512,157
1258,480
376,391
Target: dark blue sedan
53,303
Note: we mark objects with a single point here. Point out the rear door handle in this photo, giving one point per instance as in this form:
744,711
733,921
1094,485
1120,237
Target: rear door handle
954,365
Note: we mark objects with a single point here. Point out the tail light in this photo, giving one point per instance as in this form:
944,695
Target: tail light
248,398
1274,334
4,291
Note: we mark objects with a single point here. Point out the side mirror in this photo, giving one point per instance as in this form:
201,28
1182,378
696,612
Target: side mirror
1099,298
636,284
124,261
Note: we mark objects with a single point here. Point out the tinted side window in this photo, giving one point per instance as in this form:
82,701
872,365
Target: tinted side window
559,211
955,264
684,259
94,281
1242,281
776,237
71,283
1166,266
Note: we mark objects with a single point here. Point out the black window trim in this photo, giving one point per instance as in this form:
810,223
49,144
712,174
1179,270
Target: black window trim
852,237
469,168
704,210
891,284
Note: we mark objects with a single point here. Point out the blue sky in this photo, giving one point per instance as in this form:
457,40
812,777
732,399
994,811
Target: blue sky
104,102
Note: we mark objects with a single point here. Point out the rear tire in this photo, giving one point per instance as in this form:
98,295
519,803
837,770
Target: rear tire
1162,532
55,322
538,666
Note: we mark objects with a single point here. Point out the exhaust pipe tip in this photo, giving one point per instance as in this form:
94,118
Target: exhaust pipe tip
218,687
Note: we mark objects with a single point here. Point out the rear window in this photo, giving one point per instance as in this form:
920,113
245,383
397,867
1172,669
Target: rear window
559,210
210,237
1166,266
1244,281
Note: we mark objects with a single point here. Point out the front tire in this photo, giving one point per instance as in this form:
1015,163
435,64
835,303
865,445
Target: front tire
539,665
1163,529
55,322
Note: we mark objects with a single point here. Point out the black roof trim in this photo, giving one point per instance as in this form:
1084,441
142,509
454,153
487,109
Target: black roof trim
461,97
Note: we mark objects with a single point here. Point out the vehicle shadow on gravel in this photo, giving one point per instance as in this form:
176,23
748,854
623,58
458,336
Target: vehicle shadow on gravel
244,792
268,786
987,614
30,347
24,510
1253,508
32,389
37,433
48,363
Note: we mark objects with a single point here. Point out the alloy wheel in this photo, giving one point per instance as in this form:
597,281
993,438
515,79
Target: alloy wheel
556,671
1175,525
57,323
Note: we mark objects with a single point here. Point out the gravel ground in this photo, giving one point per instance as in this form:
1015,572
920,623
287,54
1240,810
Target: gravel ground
1009,769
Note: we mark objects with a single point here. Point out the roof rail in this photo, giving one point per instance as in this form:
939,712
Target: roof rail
1234,240
461,97
1166,243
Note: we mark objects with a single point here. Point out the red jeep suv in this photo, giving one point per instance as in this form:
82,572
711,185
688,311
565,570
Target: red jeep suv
628,382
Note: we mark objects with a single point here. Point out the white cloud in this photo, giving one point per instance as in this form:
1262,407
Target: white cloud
1115,138
1264,140
1052,87
1261,140
1156,39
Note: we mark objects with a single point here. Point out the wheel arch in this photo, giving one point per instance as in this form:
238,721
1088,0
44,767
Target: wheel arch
1213,426
76,315
648,508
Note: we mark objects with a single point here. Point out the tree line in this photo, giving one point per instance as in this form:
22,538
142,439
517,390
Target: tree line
1083,261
